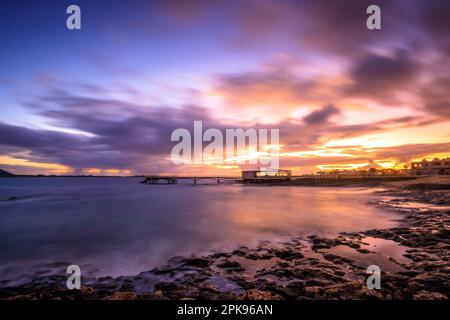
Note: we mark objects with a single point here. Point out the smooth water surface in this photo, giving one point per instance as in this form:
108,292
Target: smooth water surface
117,226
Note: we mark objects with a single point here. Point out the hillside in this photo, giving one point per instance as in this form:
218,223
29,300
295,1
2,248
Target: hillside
4,173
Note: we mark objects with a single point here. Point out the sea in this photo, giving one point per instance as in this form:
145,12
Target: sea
113,226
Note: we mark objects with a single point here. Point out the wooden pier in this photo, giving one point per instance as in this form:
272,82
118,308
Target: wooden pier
160,179
293,181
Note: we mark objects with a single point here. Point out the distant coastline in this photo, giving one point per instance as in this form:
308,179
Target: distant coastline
296,181
6,174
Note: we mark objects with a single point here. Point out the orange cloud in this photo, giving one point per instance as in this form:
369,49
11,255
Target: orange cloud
32,166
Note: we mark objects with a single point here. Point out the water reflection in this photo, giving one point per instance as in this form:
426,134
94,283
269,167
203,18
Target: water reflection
120,227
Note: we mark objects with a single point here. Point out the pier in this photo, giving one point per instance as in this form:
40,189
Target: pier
162,179
305,180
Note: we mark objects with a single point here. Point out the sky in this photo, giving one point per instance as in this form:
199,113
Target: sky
105,99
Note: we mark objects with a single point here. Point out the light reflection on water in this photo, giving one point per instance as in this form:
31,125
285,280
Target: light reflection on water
120,227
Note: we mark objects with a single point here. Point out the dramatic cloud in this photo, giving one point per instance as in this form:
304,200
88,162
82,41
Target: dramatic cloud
435,16
322,115
436,98
114,134
379,78
341,95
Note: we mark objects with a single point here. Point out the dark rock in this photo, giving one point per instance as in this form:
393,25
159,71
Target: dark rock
197,262
337,259
288,255
165,286
317,282
254,294
122,296
231,266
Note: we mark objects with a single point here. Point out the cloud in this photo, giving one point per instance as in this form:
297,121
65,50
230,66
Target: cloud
435,17
265,88
435,97
331,67
18,136
321,116
116,134
113,134
337,27
258,96
379,78
405,153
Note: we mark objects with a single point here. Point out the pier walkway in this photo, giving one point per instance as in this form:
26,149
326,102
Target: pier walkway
163,179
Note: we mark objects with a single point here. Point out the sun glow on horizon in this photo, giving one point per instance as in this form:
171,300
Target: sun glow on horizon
52,168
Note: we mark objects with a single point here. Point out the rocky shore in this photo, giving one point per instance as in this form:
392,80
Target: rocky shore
413,257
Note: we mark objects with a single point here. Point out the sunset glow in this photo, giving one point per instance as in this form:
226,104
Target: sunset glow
358,99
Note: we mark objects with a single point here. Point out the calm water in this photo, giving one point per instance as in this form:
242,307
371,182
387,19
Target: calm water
117,226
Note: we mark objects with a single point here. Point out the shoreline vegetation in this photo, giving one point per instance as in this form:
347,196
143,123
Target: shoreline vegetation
413,258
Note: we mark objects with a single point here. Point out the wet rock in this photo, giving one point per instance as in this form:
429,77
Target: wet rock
339,273
220,255
254,294
288,255
368,294
158,294
164,270
198,262
427,295
127,286
259,256
282,273
231,266
165,286
337,259
122,296
317,282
